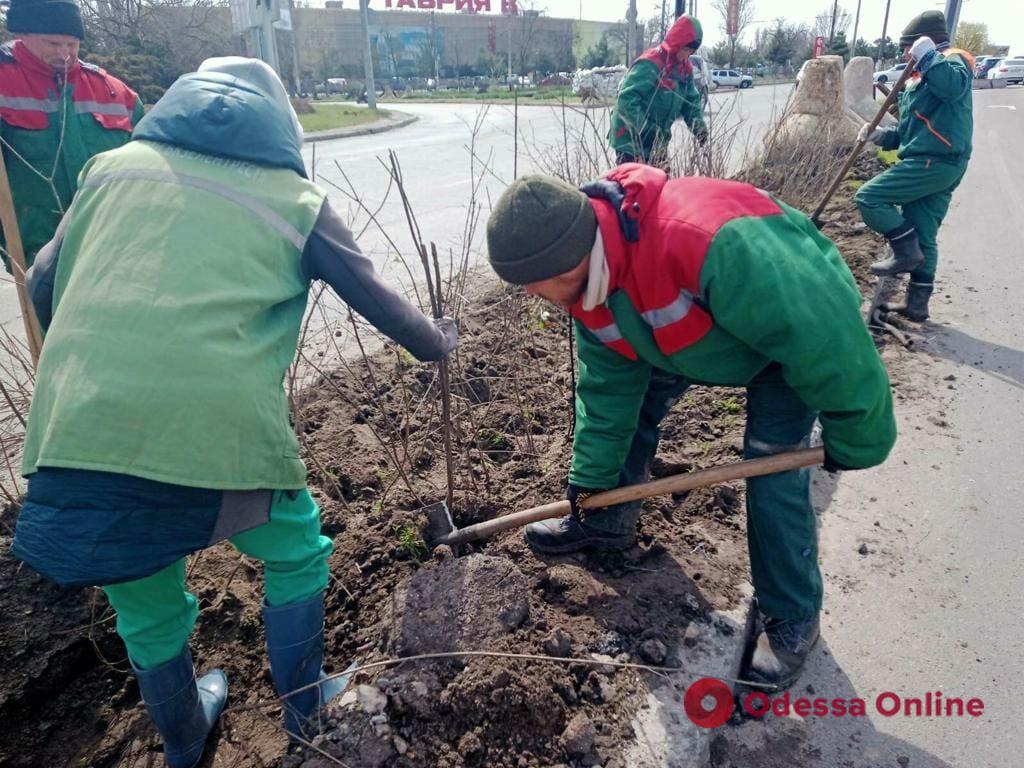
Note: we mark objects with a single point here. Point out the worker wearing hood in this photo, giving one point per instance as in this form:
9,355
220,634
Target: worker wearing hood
657,91
172,296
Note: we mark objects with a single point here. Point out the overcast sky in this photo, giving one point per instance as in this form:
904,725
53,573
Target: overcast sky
1005,18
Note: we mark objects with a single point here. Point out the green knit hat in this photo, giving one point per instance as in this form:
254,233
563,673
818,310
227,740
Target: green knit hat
45,17
928,24
541,227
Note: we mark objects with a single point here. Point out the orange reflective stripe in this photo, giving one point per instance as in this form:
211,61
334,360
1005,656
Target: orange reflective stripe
935,133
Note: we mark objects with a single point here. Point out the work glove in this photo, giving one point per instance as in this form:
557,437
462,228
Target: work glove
702,137
612,191
874,136
449,333
575,494
832,466
922,47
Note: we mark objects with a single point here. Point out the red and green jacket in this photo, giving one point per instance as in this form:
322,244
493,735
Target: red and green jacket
936,110
657,91
722,281
97,113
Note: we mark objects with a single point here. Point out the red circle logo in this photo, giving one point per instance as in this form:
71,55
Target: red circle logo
693,702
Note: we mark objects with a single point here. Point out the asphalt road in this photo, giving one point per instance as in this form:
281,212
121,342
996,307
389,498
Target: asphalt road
936,603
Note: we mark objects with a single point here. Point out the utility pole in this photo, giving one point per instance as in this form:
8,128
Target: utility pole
952,16
371,88
509,80
856,23
266,34
630,32
832,30
885,27
664,18
680,8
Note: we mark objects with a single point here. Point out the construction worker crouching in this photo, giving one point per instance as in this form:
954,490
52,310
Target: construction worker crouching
173,296
701,281
657,91
908,202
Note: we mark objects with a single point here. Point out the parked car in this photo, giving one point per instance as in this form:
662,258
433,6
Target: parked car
336,85
890,75
984,64
560,78
598,83
1010,70
730,77
702,78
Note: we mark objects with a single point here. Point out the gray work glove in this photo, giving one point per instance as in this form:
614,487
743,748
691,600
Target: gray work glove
449,333
874,136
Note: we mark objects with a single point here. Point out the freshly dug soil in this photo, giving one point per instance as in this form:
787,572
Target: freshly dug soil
373,443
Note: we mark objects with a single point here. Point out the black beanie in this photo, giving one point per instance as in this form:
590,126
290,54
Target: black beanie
45,17
928,24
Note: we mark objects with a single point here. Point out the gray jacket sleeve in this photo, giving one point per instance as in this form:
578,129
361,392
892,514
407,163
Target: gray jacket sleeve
331,255
41,276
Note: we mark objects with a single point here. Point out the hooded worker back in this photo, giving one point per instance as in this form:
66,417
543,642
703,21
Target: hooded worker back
179,294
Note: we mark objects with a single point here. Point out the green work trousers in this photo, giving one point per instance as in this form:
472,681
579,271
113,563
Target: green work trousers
915,191
782,533
155,615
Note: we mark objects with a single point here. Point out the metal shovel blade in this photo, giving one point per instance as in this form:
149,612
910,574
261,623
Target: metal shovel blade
439,522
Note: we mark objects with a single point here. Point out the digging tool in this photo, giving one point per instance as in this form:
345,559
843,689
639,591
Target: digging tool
889,101
12,238
441,529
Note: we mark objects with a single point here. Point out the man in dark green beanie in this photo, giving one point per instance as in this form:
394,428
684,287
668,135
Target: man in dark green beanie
56,112
701,281
908,202
657,91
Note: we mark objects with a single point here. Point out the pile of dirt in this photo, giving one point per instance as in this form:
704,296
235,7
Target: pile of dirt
372,439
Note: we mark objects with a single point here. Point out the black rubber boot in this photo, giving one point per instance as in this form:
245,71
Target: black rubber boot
906,253
614,531
781,650
915,304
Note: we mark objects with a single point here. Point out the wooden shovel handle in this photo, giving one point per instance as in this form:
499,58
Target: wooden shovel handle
890,99
779,462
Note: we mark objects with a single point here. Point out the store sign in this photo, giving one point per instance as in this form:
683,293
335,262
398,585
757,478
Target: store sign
507,7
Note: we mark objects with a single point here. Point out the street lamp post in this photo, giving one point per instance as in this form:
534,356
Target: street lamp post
680,8
371,88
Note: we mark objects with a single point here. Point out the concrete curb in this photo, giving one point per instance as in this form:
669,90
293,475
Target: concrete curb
664,737
398,120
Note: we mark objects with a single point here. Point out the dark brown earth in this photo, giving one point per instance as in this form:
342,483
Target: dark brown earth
371,433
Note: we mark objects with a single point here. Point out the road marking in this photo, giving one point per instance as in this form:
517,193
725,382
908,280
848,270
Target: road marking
1001,106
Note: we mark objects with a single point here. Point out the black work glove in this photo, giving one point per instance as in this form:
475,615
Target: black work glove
833,466
575,494
612,191
702,137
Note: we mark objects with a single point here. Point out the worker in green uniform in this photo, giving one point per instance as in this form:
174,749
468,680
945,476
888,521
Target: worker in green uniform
657,91
908,202
55,113
173,295
701,281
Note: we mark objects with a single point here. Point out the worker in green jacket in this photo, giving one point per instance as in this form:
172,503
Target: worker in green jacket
701,281
657,91
55,113
908,202
173,295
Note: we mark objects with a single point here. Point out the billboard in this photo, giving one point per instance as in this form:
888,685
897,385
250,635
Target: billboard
507,7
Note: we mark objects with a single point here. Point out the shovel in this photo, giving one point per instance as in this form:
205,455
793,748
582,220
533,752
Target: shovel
889,101
441,529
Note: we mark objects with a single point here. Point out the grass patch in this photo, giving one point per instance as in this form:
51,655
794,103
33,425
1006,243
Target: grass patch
327,116
888,158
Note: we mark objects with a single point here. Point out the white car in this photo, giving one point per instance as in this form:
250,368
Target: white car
726,77
890,75
1010,70
600,83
